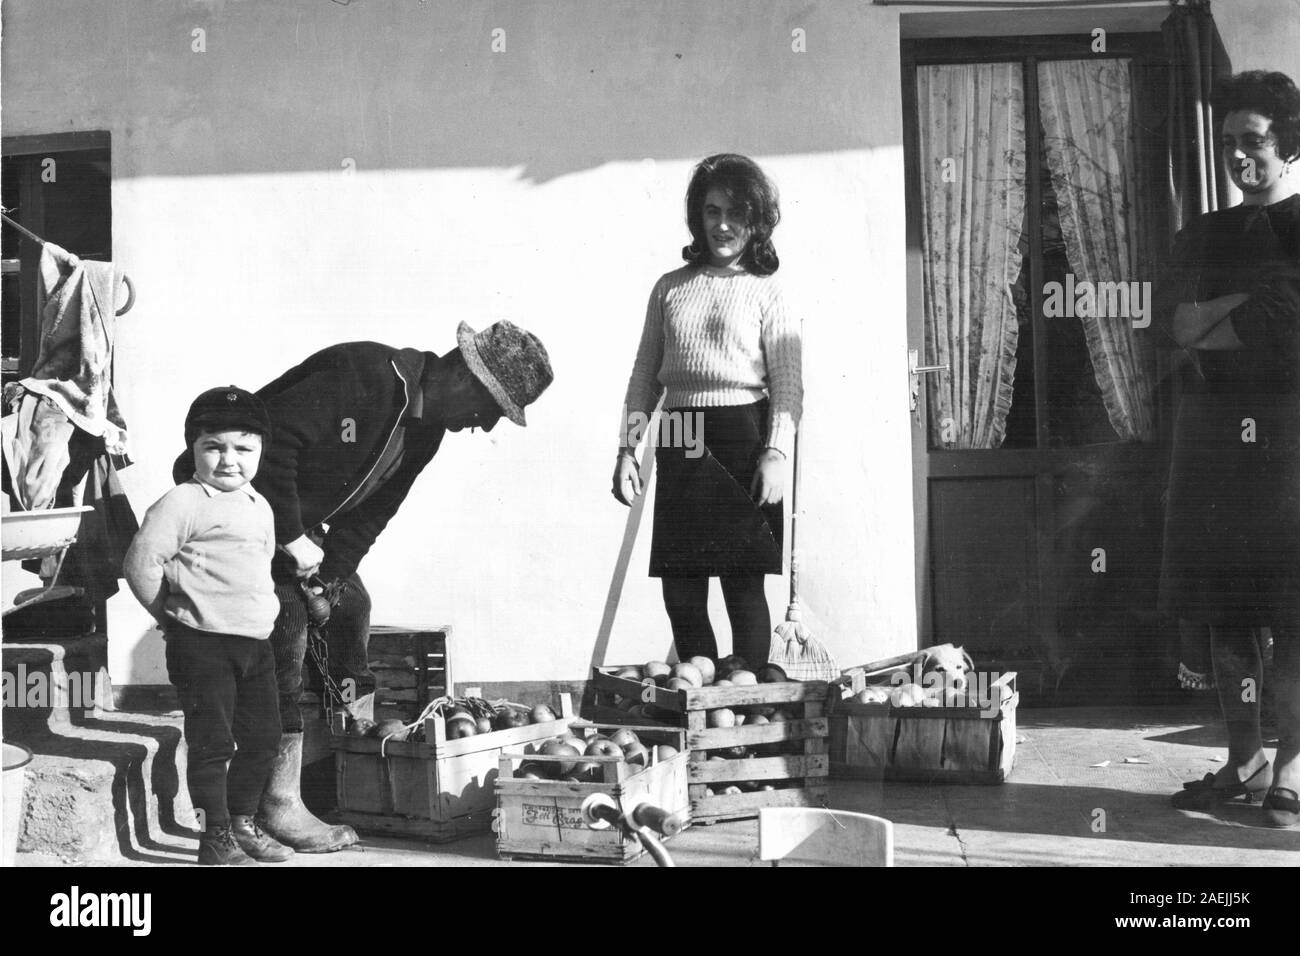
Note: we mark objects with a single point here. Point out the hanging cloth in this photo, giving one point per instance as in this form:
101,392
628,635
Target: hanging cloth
74,362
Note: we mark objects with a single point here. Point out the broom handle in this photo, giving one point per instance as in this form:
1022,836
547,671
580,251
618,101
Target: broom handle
793,613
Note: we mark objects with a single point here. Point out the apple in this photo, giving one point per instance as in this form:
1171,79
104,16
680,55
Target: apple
771,674
541,714
574,741
741,718
657,671
631,672
557,748
508,717
533,770
360,727
743,678
907,695
721,717
722,683
637,754
779,716
680,683
462,725
689,673
483,725
663,752
603,747
732,662
586,771
755,719
706,668
873,694
624,738
392,728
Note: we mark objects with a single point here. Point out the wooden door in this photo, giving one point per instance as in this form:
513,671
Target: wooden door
1042,554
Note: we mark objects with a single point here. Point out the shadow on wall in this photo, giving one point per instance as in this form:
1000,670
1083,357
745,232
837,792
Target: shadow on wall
550,88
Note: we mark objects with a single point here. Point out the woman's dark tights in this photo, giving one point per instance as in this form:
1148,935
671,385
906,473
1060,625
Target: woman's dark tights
687,603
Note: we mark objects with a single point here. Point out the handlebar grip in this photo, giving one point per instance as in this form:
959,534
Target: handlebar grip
657,819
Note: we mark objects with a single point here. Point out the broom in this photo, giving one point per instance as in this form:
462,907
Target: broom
793,648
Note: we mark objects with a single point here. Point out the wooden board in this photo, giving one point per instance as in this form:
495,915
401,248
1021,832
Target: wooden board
799,773
440,789
926,744
708,808
542,819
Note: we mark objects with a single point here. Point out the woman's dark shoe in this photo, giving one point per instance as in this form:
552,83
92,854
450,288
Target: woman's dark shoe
1204,795
1281,808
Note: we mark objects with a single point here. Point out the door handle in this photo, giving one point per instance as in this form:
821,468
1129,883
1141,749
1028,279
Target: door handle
914,373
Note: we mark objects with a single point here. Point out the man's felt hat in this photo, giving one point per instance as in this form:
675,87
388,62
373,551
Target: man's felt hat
227,409
511,362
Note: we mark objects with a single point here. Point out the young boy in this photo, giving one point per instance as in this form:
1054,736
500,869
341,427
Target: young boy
201,565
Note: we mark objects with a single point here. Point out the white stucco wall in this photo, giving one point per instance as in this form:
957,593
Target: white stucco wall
541,184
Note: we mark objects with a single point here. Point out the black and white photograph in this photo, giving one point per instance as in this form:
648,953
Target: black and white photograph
595,435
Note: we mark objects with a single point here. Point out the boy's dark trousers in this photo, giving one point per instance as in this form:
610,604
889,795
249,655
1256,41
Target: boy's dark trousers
226,686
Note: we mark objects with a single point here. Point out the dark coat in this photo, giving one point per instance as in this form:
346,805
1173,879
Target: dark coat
1232,524
332,416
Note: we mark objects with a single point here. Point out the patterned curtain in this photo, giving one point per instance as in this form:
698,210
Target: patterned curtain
1086,113
972,152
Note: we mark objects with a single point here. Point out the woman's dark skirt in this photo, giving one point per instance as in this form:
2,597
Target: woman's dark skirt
706,524
1232,523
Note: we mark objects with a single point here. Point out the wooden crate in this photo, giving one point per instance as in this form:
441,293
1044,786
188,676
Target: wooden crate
542,819
799,777
929,744
440,789
412,666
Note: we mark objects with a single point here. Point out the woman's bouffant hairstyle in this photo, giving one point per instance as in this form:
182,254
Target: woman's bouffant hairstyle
745,185
1269,94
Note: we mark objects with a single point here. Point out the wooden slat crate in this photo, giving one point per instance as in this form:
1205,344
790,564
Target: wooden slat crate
929,744
412,666
542,819
798,776
440,789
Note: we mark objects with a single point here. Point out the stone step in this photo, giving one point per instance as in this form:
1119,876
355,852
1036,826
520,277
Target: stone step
109,789
54,684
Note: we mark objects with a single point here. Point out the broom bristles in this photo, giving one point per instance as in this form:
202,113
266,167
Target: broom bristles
799,654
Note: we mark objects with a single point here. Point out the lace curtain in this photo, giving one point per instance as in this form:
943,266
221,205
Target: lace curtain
972,153
1087,125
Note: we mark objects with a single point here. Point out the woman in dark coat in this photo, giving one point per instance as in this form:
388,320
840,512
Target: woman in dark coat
1232,532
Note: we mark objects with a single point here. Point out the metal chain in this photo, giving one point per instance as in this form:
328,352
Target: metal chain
319,649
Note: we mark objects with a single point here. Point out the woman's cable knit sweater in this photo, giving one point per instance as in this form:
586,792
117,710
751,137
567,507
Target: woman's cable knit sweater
715,337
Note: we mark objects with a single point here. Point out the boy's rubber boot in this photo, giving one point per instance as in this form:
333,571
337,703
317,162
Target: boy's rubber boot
256,842
283,814
218,847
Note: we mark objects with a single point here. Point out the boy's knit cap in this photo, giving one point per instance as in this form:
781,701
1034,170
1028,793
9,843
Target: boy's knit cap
227,409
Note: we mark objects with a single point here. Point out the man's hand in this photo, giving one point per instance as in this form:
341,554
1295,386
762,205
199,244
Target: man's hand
307,557
768,487
627,479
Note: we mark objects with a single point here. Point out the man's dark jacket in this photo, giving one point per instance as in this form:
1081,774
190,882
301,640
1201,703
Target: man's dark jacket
332,417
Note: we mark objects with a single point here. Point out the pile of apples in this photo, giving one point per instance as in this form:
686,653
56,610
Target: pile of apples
574,769
915,695
730,671
465,717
